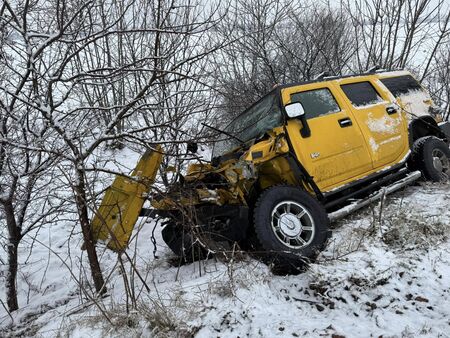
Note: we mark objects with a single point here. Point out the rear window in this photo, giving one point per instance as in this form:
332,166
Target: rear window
400,85
361,93
316,102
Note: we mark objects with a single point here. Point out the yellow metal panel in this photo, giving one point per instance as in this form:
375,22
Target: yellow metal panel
386,135
114,220
331,154
336,156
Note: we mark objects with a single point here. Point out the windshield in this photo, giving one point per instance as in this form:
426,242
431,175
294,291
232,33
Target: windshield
253,123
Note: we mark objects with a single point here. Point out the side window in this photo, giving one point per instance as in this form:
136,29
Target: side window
316,102
361,94
400,85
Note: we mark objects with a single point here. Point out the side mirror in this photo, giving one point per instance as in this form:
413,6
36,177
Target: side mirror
294,110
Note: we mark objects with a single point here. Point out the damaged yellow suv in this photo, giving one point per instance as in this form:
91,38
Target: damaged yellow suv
303,154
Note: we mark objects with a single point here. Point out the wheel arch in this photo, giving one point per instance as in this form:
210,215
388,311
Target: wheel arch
267,242
424,126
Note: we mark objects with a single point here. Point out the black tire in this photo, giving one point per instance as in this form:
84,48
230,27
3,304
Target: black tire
277,246
182,243
431,156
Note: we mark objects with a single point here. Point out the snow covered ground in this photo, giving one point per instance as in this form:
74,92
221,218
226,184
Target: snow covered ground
384,273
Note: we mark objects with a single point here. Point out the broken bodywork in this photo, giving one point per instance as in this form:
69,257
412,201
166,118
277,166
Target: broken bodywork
114,220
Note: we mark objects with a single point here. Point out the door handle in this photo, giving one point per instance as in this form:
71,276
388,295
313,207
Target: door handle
347,122
391,110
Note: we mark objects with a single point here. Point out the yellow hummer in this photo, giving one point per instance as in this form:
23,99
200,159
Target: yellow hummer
304,154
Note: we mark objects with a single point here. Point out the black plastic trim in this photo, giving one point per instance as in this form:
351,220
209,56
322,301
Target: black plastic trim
425,126
346,122
308,178
445,127
347,191
371,185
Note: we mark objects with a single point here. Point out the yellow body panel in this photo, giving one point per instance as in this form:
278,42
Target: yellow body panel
386,135
335,156
114,220
331,154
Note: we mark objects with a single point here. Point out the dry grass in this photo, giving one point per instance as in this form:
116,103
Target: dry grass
406,230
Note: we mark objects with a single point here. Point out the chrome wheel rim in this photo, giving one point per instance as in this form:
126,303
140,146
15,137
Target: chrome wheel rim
292,224
441,163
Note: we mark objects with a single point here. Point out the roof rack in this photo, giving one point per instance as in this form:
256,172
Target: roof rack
322,76
372,69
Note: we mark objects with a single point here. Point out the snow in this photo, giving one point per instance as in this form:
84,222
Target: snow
414,103
373,144
389,140
394,73
386,278
371,104
384,124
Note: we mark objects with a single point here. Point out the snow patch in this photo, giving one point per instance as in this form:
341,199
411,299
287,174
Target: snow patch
372,104
392,139
373,144
384,124
414,103
394,73
375,278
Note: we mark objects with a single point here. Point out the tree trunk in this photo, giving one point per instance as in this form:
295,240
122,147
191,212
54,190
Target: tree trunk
80,198
11,290
14,239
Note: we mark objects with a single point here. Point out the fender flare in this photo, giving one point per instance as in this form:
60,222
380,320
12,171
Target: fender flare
424,126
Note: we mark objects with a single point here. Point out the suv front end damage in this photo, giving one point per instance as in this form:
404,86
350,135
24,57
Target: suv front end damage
302,154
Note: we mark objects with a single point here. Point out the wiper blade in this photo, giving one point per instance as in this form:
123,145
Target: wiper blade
224,132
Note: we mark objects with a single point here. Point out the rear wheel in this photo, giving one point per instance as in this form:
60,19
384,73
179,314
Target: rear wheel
291,227
432,156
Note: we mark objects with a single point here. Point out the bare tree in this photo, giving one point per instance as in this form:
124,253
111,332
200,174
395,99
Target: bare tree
249,67
279,42
391,34
99,73
28,152
317,40
438,80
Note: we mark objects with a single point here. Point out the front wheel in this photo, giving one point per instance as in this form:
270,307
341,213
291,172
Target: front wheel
183,243
291,227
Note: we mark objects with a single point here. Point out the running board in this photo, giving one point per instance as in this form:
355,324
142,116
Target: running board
361,203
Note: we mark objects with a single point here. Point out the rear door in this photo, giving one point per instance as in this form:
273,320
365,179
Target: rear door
381,121
336,150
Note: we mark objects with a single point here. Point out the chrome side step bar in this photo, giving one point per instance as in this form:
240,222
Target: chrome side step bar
361,203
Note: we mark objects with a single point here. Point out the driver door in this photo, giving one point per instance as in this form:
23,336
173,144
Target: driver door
335,152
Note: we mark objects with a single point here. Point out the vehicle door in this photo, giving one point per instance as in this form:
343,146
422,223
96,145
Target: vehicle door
335,151
381,121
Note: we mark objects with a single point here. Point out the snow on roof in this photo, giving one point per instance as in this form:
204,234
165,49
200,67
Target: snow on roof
394,73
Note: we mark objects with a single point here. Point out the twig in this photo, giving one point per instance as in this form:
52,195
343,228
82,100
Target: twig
9,313
380,215
78,282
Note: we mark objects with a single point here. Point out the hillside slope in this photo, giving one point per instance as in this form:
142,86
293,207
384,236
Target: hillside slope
382,274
